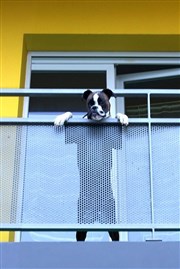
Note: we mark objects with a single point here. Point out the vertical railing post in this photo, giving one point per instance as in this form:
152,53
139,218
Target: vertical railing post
151,162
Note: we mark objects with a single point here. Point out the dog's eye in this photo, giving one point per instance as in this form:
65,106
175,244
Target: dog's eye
91,103
101,102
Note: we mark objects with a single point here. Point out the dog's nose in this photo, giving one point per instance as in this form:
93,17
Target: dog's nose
97,110
101,112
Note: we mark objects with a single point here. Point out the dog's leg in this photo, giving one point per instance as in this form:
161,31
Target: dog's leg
61,119
114,236
81,236
122,118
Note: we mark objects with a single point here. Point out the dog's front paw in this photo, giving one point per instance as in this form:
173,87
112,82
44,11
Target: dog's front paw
61,119
122,118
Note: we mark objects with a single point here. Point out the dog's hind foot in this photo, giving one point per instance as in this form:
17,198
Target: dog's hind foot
114,236
81,236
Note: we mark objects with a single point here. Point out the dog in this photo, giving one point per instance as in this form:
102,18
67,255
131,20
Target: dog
98,108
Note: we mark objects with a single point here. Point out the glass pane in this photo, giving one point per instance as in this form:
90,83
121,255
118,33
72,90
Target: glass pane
161,107
165,107
57,104
154,83
138,68
64,80
136,107
68,79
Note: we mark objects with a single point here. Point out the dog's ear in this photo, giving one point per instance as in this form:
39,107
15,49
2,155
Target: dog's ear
86,94
109,93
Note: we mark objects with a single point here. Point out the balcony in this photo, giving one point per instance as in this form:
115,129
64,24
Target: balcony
61,178
50,172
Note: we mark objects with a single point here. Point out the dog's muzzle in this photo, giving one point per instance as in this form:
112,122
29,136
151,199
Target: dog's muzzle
96,113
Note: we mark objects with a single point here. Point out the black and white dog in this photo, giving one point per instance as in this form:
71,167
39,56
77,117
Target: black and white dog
98,108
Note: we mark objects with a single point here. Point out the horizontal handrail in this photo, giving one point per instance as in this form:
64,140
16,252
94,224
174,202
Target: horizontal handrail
89,227
77,120
57,92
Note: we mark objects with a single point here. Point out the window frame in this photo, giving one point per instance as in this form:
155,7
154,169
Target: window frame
48,60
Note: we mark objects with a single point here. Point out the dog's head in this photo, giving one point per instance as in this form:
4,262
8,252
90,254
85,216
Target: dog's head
98,104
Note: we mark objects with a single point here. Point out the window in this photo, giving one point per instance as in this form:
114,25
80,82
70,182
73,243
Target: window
75,72
65,80
66,76
162,77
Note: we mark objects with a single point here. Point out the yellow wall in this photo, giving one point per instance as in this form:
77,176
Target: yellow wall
123,25
78,17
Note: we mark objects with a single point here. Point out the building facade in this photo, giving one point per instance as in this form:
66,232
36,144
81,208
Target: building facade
149,27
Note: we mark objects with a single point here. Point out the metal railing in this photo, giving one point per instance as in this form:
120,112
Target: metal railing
143,160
